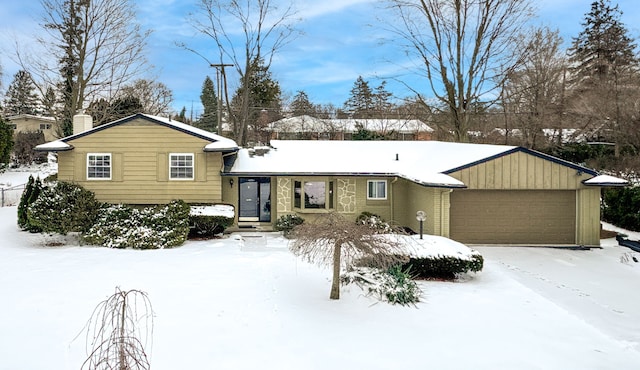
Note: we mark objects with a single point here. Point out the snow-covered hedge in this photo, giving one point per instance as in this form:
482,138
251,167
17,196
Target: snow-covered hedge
210,220
439,257
158,227
63,207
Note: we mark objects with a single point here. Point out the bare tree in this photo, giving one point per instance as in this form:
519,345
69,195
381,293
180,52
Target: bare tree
533,92
336,242
118,332
91,49
464,46
155,97
265,29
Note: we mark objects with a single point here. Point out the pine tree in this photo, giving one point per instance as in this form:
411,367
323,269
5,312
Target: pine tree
605,71
209,119
381,98
361,100
21,97
49,101
301,105
6,143
603,48
264,100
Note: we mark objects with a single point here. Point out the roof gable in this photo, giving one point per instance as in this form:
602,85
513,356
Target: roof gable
534,153
217,142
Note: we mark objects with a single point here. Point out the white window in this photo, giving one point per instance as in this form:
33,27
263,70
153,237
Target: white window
98,166
181,166
377,189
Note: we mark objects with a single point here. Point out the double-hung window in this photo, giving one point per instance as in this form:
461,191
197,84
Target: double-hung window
181,166
377,189
313,194
99,166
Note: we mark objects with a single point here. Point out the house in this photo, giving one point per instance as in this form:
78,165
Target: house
143,159
311,128
32,123
473,193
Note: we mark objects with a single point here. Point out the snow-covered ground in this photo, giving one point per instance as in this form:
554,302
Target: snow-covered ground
244,302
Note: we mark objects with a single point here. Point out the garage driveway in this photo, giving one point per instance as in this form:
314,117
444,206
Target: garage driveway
599,286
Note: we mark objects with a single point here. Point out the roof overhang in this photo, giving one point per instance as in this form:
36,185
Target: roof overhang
606,181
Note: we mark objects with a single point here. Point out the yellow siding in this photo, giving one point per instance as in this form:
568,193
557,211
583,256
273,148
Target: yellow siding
140,166
588,216
520,171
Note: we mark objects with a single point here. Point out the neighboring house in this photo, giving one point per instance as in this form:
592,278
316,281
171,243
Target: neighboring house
31,123
312,128
473,193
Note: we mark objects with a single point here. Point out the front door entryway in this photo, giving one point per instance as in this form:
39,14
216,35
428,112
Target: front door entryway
255,199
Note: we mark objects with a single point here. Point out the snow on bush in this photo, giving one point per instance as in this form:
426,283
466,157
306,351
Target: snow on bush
120,226
394,285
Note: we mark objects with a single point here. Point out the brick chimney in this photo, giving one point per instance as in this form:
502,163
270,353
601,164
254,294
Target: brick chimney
81,123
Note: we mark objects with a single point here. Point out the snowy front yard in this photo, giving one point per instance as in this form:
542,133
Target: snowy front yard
247,303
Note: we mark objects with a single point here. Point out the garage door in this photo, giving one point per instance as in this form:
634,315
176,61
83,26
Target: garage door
513,217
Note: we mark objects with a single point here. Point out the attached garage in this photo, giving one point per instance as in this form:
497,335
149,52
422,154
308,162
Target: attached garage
513,216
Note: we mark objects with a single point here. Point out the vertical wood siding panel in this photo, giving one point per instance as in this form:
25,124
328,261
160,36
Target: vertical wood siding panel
162,167
200,167
117,167
80,166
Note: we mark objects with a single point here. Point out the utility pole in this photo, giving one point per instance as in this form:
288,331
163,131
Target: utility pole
220,73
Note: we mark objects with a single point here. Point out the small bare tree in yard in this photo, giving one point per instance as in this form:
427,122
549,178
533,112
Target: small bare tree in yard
118,331
336,242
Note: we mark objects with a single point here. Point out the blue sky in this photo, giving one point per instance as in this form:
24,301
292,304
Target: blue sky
341,41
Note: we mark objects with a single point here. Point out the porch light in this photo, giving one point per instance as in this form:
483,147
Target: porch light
231,182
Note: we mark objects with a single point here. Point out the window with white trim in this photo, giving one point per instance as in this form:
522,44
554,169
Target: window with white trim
181,166
99,166
377,189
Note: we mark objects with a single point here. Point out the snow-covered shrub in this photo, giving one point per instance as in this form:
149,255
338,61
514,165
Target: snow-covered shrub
286,223
29,195
374,222
208,226
158,227
394,285
208,221
621,207
444,267
63,207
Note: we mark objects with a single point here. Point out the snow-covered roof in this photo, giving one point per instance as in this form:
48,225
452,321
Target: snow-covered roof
306,123
423,162
54,146
218,143
606,180
31,117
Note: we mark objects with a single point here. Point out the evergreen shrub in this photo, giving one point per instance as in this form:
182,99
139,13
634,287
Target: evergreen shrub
374,222
621,207
30,194
443,267
61,208
394,285
286,223
208,226
158,227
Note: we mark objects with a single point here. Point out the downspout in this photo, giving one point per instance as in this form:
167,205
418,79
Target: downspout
393,208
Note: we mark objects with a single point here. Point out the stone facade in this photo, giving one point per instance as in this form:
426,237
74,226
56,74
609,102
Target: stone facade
346,195
284,194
